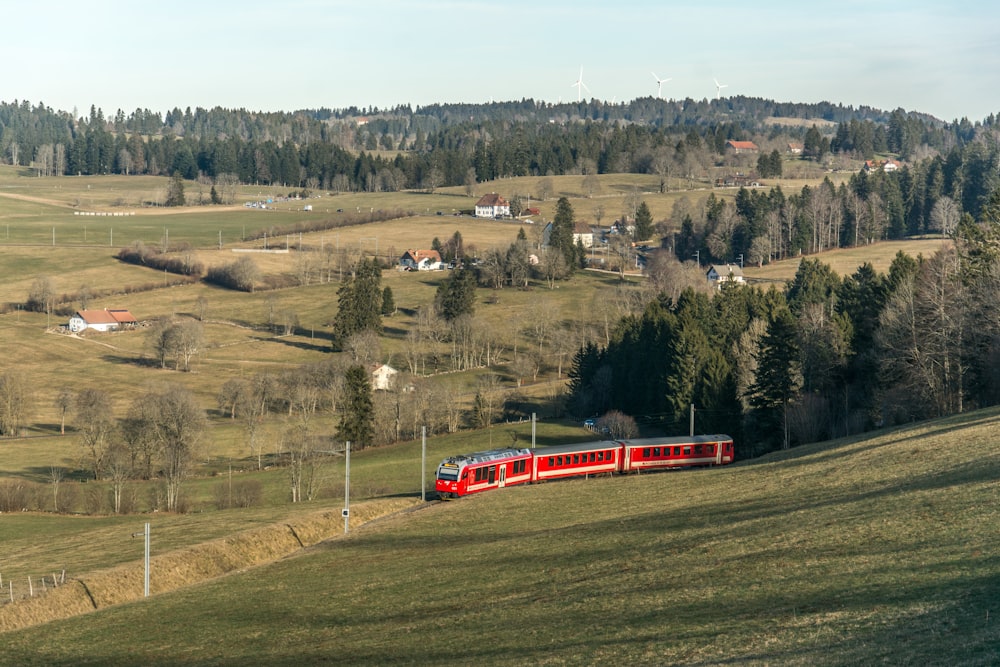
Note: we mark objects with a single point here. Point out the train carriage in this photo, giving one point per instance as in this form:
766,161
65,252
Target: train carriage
582,458
497,468
680,452
482,471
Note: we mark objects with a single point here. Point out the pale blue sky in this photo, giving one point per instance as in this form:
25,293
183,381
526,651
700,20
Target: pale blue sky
923,56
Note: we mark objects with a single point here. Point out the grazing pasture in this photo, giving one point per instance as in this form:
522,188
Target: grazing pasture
857,551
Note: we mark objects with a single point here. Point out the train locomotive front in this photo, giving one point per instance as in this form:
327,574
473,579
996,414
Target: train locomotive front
471,473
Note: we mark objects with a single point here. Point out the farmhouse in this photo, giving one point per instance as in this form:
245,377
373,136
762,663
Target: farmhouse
101,320
720,273
420,260
741,146
492,206
795,147
383,376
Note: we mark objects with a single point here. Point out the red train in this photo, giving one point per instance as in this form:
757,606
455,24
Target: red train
497,468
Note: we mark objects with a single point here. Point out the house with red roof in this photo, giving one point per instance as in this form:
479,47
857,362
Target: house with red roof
742,146
420,260
109,319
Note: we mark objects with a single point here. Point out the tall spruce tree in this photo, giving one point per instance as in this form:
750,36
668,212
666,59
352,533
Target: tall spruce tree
561,235
643,223
359,302
778,377
357,425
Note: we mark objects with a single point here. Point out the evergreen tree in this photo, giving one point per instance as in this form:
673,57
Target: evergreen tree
175,191
778,377
643,223
456,295
388,302
561,235
360,302
814,283
357,424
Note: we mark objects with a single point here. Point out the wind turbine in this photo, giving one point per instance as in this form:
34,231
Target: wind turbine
718,88
580,86
659,85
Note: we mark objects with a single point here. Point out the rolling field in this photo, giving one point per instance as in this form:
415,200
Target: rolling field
845,261
820,556
873,551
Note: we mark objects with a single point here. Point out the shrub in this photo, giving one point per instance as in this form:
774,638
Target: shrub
244,493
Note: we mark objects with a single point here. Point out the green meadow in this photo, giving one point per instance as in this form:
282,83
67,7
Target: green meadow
850,552
867,551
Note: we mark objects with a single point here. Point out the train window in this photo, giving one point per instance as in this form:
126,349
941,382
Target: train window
656,452
645,453
677,451
492,473
559,461
709,449
552,462
593,457
687,451
697,449
576,459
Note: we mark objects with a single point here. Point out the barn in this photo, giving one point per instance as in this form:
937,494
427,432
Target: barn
101,320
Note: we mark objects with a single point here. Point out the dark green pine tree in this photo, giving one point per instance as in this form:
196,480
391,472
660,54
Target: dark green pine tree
457,295
778,375
561,235
643,223
357,425
359,302
388,301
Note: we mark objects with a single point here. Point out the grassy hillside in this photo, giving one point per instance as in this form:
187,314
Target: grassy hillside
868,551
845,261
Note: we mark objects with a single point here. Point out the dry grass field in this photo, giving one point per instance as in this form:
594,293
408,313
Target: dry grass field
846,261
860,551
634,536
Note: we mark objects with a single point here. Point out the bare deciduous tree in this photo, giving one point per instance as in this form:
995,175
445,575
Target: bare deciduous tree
15,396
617,425
171,425
64,403
96,423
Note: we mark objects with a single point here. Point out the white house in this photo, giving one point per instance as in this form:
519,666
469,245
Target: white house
383,376
720,273
492,206
421,260
583,234
101,320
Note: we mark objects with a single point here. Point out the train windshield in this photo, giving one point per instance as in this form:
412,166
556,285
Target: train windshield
448,473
